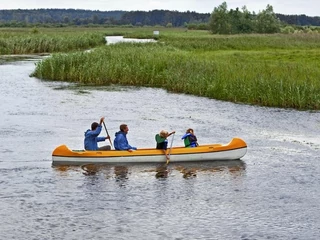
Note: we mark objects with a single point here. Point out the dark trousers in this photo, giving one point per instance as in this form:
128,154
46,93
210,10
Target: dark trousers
104,148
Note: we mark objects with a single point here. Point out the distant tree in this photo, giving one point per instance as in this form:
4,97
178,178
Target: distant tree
220,20
95,19
240,20
66,20
267,22
169,25
192,26
203,26
235,20
223,21
246,21
139,24
288,29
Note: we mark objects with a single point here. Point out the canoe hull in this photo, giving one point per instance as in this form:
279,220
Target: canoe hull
234,150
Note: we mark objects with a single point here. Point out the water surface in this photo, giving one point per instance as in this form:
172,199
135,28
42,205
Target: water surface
118,39
272,193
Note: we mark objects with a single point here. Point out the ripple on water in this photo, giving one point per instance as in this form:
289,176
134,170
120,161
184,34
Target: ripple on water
272,193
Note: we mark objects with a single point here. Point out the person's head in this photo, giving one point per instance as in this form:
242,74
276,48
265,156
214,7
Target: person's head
163,134
189,130
124,128
94,126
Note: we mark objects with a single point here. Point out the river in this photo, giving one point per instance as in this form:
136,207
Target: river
271,193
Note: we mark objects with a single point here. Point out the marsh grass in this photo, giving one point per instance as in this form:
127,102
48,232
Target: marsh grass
280,70
266,78
35,41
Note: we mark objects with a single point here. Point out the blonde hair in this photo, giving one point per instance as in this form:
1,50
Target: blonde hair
164,134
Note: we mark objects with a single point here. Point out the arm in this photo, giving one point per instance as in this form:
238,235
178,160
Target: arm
95,132
186,135
171,133
101,139
122,143
131,147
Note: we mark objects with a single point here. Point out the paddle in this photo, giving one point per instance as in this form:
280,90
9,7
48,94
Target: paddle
107,133
168,159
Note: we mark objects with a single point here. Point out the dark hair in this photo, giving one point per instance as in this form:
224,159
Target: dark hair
189,130
123,127
94,125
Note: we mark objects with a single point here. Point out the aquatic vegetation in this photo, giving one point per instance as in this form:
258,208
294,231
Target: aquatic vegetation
34,43
279,70
278,78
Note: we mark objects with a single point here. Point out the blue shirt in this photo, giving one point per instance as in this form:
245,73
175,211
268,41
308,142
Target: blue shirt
91,139
121,143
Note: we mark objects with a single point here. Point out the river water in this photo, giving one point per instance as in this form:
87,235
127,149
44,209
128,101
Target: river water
271,193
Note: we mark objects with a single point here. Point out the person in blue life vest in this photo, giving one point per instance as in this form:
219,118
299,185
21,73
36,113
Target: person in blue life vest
120,142
190,140
162,141
91,138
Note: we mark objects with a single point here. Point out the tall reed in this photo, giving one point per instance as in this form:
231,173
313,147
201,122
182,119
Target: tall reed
253,77
28,43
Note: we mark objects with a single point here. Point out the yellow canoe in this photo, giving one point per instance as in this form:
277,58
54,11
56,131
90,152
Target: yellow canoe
233,150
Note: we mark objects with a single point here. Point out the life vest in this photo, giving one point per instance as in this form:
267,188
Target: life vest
190,140
162,143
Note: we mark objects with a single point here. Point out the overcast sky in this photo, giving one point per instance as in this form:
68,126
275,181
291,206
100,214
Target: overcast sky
308,7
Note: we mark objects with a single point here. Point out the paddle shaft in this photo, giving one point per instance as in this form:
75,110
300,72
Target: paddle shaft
107,133
168,159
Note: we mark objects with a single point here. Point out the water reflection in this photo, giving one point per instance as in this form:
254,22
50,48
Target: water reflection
191,170
65,170
121,172
187,170
162,171
90,169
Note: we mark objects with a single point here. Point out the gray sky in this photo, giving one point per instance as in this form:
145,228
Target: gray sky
308,7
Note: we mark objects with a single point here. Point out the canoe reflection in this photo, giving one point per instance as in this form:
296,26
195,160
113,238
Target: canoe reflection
121,172
162,171
90,169
191,170
188,170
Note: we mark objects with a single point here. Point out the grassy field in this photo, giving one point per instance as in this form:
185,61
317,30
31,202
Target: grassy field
280,70
35,41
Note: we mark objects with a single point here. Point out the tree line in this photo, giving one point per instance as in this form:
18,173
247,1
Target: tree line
224,21
85,17
237,20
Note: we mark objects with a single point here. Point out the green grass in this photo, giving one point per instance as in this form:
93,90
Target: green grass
34,41
280,70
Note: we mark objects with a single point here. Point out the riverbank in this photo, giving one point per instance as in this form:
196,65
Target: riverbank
278,70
